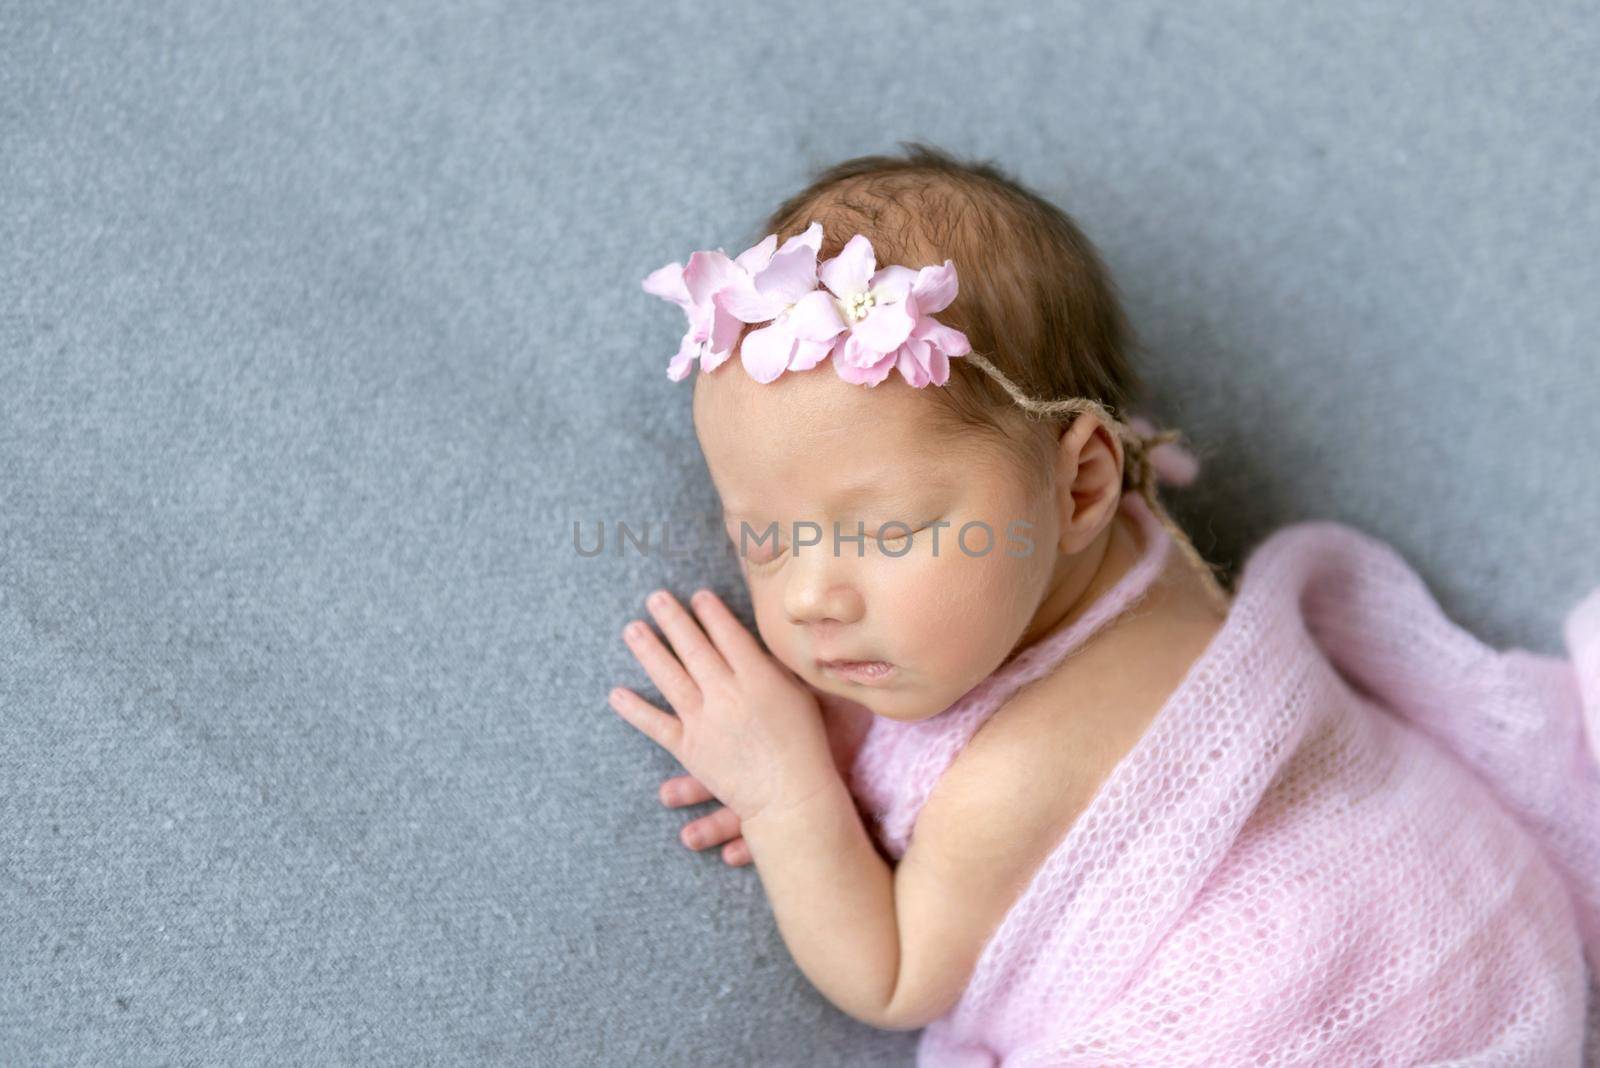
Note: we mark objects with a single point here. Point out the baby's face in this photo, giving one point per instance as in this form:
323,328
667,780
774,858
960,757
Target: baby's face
812,450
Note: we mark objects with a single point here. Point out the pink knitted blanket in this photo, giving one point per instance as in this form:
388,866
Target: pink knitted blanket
1354,835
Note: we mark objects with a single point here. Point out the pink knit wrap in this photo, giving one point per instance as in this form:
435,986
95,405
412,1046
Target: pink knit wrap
1353,835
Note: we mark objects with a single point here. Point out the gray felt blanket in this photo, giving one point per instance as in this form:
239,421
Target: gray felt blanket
320,325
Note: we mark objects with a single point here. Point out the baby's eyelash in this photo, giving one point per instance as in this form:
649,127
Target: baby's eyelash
777,554
897,536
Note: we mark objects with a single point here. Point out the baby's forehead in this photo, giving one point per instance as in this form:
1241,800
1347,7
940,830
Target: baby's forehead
836,469
810,440
816,402
880,491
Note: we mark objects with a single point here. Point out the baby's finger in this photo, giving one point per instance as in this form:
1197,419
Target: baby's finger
711,830
736,853
681,790
736,644
660,727
662,667
688,640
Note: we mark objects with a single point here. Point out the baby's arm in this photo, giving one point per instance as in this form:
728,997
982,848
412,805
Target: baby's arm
978,841
895,947
832,895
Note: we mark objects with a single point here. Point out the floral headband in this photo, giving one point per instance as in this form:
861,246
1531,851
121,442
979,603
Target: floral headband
870,319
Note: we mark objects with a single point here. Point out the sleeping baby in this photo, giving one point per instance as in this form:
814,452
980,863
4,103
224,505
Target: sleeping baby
1015,765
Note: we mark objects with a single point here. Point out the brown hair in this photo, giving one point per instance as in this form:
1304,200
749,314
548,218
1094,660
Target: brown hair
1034,296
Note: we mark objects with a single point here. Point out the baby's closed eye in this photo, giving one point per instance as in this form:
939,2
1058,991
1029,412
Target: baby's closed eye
895,533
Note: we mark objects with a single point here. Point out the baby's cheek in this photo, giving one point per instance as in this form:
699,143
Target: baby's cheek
769,618
929,598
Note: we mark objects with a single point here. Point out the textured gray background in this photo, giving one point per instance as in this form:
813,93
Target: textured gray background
321,324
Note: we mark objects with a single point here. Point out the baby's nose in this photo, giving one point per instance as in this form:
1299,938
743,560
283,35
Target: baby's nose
815,597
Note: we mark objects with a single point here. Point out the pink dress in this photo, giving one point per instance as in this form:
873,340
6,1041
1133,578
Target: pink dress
1353,835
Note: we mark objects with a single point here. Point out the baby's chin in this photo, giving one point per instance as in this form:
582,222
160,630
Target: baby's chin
908,715
905,702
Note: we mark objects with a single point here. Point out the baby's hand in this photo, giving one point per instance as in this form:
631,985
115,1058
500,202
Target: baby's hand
747,728
846,723
721,827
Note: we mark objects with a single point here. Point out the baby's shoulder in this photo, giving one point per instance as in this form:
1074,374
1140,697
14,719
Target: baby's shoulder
1023,779
1015,790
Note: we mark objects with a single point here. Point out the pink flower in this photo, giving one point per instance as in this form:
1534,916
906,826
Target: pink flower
870,321
924,358
712,331
780,289
889,313
1172,462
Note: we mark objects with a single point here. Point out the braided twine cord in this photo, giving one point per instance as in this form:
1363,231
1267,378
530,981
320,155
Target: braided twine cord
1137,464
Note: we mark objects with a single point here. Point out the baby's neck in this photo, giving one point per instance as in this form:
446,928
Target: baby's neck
1162,632
1077,585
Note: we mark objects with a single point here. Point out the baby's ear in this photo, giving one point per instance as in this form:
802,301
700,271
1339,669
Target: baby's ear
1089,461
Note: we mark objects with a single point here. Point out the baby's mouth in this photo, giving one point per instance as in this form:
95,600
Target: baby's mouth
861,672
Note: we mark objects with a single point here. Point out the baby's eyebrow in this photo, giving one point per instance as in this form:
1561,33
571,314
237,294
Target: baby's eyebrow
857,490
913,495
